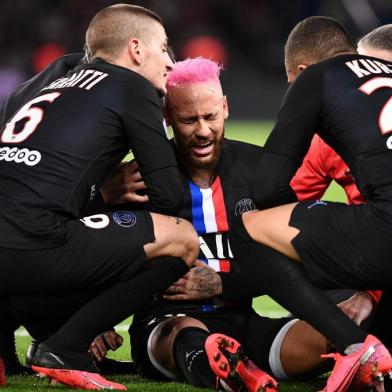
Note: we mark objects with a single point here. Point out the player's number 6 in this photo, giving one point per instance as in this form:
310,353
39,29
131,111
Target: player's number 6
33,115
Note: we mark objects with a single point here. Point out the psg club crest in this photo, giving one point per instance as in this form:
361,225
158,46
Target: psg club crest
244,205
124,218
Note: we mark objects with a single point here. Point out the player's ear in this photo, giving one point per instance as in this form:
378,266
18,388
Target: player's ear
225,108
301,67
135,50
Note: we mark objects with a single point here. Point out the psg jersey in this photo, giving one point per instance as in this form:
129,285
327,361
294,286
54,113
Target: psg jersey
211,211
64,140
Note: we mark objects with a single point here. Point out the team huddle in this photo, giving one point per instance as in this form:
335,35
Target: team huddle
184,236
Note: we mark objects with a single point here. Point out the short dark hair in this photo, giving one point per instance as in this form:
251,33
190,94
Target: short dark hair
380,38
315,39
111,28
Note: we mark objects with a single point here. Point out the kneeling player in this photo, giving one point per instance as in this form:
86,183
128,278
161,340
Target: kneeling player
340,99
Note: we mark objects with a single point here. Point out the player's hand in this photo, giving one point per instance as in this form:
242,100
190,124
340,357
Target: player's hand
358,307
122,185
200,282
109,340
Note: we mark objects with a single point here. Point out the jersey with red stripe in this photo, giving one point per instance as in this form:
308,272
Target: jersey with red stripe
320,167
211,210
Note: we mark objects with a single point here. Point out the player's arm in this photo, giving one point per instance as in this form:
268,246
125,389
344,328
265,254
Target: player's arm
312,179
201,282
360,306
238,284
124,185
143,120
289,140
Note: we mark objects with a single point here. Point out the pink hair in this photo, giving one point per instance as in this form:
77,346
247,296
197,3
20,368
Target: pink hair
192,71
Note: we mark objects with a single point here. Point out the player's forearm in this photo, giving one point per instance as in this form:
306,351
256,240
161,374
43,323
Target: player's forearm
237,285
165,191
272,187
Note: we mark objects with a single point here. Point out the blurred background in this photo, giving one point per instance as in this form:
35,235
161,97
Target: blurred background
246,36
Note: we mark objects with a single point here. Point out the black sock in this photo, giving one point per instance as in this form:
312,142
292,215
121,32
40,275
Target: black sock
285,281
190,356
116,304
379,326
8,350
7,338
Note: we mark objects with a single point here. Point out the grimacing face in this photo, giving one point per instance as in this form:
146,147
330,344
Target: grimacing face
157,61
197,113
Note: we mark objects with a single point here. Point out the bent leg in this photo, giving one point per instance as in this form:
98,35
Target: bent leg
178,345
174,237
301,350
163,339
271,228
175,244
287,282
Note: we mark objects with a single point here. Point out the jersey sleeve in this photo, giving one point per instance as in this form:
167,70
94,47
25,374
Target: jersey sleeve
143,120
312,179
375,294
95,206
289,140
236,284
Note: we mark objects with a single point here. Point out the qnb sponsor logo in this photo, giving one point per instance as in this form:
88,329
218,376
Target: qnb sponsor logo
20,155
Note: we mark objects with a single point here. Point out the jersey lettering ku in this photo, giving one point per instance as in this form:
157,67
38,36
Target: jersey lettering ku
61,144
347,101
211,211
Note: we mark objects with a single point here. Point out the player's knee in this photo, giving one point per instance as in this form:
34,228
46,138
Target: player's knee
174,325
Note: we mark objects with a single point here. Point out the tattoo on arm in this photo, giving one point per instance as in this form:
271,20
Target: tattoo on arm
207,281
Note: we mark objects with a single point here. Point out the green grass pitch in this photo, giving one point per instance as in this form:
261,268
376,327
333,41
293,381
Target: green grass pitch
252,132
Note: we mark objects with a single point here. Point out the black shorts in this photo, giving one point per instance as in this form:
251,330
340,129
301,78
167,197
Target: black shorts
102,249
255,333
342,246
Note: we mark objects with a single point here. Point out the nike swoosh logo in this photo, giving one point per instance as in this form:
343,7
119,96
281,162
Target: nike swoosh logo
97,383
58,359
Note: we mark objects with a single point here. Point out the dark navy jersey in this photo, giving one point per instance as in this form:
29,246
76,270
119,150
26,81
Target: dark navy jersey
61,144
212,210
347,101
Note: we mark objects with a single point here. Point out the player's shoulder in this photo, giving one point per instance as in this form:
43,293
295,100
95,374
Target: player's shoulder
241,147
356,65
124,75
318,69
241,153
66,62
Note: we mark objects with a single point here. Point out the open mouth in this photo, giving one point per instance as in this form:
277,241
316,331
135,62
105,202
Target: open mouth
204,148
